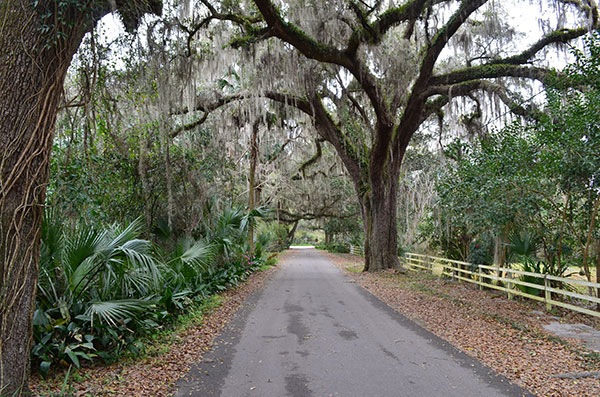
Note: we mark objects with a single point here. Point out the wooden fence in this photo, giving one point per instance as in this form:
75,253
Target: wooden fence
571,291
357,250
509,280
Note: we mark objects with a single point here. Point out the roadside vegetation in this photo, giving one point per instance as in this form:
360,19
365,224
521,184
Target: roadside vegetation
103,289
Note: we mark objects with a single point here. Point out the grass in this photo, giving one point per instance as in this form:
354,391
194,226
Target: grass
353,267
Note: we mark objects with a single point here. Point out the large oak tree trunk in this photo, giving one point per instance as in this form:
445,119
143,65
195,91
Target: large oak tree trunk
32,70
37,42
378,209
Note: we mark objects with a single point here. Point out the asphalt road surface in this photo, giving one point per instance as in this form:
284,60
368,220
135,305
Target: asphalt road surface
313,332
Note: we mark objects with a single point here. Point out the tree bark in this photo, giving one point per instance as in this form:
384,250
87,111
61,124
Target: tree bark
588,240
327,237
499,253
292,233
252,182
33,64
169,174
378,210
597,271
32,71
142,169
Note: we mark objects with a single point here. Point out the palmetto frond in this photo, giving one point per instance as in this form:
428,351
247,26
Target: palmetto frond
115,311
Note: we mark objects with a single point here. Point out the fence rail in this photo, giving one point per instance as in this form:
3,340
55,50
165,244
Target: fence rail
357,250
508,280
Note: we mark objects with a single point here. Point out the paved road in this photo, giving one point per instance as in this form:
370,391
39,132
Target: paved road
313,332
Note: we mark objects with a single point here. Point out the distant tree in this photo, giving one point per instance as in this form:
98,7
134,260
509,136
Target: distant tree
37,42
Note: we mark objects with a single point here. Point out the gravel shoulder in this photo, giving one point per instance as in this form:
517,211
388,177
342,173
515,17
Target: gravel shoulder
507,336
156,373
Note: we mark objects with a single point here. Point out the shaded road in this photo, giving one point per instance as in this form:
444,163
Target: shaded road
313,332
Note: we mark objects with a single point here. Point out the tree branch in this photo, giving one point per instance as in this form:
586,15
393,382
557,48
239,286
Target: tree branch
558,36
373,33
491,72
313,159
412,114
468,87
293,35
190,126
289,217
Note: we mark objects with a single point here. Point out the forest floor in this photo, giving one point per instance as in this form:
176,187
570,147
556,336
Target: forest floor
166,359
506,335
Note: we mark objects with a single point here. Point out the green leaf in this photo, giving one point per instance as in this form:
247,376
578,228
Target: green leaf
45,367
72,356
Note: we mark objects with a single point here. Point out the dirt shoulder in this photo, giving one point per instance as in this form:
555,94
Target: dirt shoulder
169,360
507,336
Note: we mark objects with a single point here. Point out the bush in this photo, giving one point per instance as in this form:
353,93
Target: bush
480,253
101,288
339,248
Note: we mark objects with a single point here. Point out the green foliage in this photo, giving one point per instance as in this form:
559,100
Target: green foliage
340,248
522,246
96,186
495,168
101,288
481,252
542,177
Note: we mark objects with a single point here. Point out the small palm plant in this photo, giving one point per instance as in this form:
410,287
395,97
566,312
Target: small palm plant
522,249
90,278
186,268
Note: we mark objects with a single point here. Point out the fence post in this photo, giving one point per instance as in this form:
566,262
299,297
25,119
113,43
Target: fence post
458,274
351,249
480,277
509,285
547,294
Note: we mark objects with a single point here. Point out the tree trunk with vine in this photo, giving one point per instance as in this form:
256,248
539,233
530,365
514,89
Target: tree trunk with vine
32,71
252,182
37,43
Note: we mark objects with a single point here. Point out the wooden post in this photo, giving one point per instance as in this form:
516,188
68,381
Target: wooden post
351,249
547,293
509,285
458,274
480,277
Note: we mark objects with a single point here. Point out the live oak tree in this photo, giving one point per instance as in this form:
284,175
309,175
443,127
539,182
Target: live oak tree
370,73
37,42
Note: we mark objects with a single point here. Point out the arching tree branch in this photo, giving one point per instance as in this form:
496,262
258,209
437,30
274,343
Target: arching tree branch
466,88
491,72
